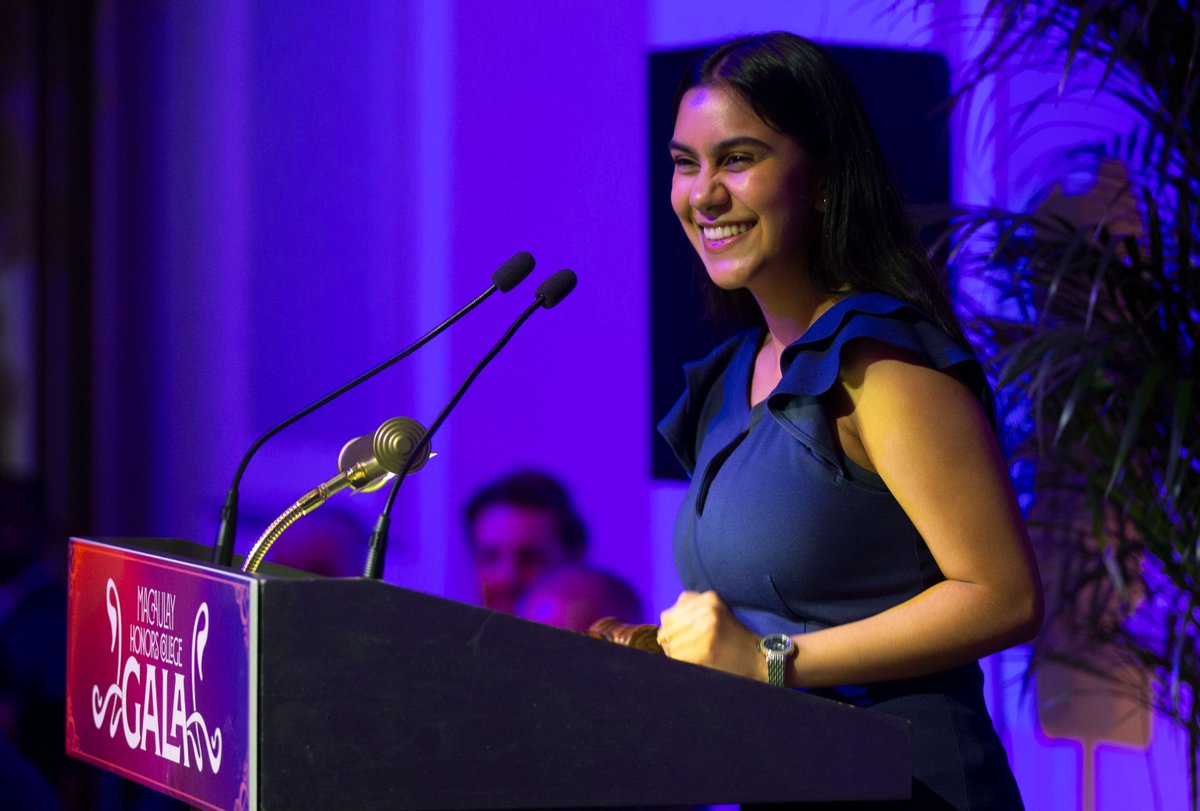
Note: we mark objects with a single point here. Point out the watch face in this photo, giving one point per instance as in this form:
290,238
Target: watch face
777,643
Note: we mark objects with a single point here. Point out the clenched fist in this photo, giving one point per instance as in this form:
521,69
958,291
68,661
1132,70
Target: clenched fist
702,630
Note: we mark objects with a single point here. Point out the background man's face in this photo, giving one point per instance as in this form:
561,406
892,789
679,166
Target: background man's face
512,547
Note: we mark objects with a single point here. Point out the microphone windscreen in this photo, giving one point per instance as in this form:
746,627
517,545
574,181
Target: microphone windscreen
513,272
395,440
556,287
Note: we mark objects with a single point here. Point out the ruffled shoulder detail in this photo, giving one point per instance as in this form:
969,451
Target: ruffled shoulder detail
811,363
681,425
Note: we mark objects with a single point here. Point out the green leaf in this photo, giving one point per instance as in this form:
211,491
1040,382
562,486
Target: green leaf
1075,245
1085,381
1115,575
1110,250
1153,230
1081,28
1184,223
1133,423
1181,415
1130,22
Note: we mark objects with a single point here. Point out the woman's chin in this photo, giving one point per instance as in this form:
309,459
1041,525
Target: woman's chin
727,278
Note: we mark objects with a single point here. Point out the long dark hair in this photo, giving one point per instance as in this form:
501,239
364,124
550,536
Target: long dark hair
867,240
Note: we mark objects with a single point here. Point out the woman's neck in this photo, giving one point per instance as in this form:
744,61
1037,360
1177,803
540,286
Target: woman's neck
789,316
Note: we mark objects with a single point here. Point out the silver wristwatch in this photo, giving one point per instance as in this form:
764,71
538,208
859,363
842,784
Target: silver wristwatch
776,649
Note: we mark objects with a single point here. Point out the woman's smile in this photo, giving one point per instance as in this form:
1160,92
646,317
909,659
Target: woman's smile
721,236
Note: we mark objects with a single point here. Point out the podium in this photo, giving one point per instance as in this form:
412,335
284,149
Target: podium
281,690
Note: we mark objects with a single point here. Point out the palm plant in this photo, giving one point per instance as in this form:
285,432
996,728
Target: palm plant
1093,317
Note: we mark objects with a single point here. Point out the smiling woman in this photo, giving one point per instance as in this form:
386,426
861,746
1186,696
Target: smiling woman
849,527
744,192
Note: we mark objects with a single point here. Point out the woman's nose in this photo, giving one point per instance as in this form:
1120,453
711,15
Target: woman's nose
708,193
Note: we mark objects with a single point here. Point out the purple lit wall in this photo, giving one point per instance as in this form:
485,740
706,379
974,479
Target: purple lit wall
290,192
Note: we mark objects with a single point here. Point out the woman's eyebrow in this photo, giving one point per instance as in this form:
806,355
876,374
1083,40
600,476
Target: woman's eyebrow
739,141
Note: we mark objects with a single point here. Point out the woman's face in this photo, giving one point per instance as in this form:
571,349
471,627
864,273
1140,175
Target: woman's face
744,193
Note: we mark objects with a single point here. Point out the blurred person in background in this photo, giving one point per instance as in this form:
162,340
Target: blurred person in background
574,596
519,528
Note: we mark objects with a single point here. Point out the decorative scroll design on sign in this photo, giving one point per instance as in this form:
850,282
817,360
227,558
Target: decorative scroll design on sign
160,723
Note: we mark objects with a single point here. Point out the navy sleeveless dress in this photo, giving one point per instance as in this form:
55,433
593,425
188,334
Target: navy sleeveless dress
795,537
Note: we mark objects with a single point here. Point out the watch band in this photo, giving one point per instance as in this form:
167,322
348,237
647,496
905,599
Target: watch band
776,664
776,649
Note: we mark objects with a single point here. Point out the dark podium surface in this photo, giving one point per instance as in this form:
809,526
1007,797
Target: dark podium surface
371,696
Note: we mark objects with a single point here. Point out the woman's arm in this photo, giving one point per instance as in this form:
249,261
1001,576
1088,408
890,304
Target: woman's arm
929,439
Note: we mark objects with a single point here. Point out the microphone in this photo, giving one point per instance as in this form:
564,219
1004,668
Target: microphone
549,293
364,464
369,461
505,278
555,288
358,451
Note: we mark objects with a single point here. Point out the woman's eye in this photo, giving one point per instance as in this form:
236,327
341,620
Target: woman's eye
738,159
682,162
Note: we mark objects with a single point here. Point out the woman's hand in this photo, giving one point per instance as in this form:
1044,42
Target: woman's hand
702,630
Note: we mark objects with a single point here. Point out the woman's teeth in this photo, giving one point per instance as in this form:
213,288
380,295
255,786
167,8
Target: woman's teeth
724,231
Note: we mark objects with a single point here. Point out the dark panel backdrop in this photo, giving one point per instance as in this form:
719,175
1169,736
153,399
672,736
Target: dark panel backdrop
905,93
